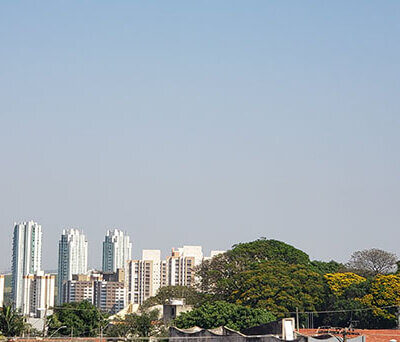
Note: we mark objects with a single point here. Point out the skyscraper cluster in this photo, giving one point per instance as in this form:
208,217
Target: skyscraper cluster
121,281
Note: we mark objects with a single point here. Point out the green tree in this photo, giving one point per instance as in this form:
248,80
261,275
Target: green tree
11,322
241,258
134,325
278,287
212,315
78,319
190,294
323,267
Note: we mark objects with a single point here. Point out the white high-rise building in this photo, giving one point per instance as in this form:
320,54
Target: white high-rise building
72,257
117,250
38,294
1,290
27,257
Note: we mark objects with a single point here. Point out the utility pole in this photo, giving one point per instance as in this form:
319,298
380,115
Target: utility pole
297,319
45,322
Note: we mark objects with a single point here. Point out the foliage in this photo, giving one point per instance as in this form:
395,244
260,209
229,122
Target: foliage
384,296
277,287
190,294
133,325
242,257
343,300
78,319
212,315
323,267
373,261
338,282
11,322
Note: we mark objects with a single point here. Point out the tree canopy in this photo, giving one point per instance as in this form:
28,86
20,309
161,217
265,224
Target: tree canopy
242,257
134,325
77,319
277,286
373,261
212,315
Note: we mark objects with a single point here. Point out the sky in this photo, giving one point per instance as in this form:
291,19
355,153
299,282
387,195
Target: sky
201,123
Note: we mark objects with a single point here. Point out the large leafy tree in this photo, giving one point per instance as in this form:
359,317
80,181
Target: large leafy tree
323,267
11,322
343,292
81,319
338,282
373,261
384,298
134,325
212,315
189,294
242,257
278,287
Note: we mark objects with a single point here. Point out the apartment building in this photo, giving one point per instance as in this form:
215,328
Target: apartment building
26,258
72,258
117,250
145,276
38,296
181,265
105,290
79,288
109,296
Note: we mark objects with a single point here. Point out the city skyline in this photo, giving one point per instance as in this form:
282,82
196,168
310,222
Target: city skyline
97,263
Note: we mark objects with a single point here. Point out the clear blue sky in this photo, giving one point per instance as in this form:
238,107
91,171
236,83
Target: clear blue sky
202,122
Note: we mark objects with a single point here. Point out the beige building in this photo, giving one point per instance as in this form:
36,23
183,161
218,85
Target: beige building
105,290
145,276
38,295
181,265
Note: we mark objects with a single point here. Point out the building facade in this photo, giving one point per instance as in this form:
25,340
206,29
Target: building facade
38,295
27,257
72,258
181,265
117,250
106,291
109,296
78,290
144,277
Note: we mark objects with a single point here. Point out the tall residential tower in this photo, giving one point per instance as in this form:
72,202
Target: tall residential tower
72,257
27,257
117,250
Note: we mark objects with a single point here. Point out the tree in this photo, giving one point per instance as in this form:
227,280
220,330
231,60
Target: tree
242,257
134,325
323,267
212,315
278,287
190,294
384,298
11,322
373,261
78,319
338,282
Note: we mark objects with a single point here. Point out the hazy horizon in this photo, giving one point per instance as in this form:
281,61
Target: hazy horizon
201,123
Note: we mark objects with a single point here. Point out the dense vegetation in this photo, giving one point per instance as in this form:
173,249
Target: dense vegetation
278,277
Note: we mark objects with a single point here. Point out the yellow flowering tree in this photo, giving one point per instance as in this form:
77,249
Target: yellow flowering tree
339,282
384,296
